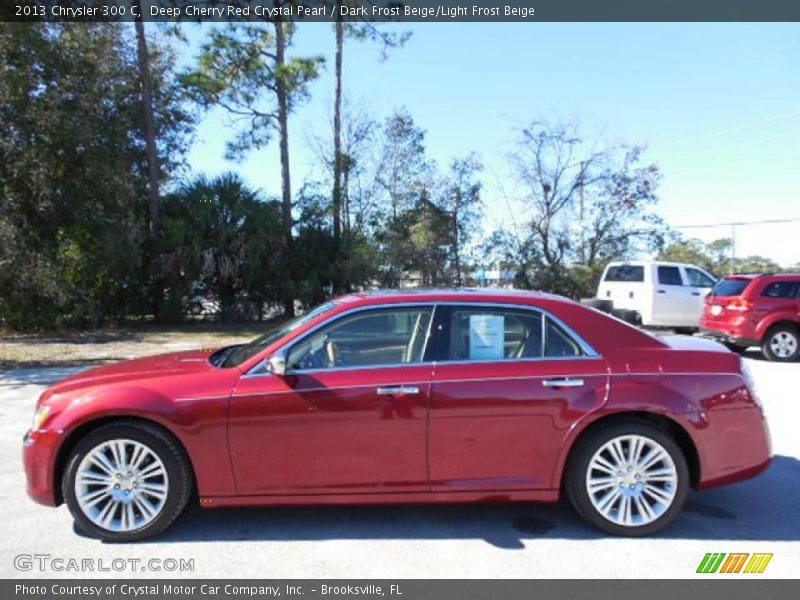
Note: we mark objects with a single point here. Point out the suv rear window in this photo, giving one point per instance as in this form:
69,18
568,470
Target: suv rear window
730,287
624,273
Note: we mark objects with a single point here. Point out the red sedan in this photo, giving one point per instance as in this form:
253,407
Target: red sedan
401,397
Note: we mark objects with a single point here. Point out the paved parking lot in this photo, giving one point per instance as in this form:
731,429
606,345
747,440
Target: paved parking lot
501,541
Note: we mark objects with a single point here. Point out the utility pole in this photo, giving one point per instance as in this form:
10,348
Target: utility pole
580,217
733,249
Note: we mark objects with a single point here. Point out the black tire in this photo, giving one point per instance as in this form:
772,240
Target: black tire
685,330
598,303
165,447
787,330
735,348
576,473
629,316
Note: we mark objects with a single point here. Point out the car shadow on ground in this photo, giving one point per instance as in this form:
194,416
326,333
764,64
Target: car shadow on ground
763,509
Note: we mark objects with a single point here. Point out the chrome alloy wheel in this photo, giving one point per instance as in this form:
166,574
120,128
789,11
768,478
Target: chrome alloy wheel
783,344
631,480
121,485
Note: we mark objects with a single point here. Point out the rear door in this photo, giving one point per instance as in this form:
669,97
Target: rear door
671,300
508,383
780,296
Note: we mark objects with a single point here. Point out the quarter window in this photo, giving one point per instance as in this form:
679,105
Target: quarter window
781,289
368,338
557,343
669,276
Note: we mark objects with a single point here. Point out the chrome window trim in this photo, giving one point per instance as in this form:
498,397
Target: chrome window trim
589,352
287,347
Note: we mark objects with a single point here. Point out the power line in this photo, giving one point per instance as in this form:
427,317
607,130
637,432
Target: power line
730,129
746,144
737,223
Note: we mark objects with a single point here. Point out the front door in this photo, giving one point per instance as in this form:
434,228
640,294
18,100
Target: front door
509,384
349,416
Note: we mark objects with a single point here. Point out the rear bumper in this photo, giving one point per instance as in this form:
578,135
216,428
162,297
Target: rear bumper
735,445
730,337
735,329
38,454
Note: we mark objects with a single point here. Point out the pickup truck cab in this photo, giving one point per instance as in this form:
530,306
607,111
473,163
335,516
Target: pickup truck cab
659,294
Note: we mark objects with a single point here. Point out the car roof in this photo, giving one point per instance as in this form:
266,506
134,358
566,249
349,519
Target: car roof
644,263
758,275
512,296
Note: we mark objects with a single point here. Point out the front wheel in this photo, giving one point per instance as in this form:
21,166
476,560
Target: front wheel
126,481
781,343
628,478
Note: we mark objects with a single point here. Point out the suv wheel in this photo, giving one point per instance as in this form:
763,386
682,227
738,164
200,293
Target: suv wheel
628,478
781,343
126,481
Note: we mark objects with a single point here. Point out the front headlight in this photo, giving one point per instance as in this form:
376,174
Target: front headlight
39,417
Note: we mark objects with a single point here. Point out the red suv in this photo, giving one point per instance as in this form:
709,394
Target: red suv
756,310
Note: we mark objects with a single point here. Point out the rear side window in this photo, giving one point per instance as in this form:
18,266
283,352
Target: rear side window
630,273
488,333
730,287
669,276
495,334
781,289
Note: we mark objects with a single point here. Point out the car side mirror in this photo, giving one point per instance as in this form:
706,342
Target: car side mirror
276,364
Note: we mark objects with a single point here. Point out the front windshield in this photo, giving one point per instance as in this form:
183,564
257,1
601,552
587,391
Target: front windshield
242,353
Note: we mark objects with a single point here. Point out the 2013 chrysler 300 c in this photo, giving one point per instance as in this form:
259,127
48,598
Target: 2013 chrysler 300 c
401,397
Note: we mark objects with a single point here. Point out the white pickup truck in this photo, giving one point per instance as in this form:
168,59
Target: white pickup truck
654,293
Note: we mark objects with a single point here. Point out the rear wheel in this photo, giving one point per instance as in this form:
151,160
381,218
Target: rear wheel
126,482
628,478
781,343
685,330
598,303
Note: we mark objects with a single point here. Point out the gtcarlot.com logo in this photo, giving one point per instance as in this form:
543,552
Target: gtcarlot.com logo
48,562
736,562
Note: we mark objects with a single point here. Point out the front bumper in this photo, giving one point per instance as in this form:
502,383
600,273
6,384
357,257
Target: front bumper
38,457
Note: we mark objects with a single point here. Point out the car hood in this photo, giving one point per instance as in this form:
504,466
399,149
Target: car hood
161,365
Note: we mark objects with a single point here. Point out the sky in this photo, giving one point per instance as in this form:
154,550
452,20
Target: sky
718,106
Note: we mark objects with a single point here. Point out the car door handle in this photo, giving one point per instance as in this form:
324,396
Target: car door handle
563,382
695,293
662,291
400,390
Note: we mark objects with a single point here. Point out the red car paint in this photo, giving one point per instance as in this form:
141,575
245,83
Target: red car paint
744,319
483,431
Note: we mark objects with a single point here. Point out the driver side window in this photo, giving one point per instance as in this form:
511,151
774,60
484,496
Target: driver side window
699,279
391,336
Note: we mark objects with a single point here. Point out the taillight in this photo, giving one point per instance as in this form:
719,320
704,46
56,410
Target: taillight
747,374
739,304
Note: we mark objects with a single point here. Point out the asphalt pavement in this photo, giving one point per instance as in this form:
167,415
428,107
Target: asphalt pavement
474,541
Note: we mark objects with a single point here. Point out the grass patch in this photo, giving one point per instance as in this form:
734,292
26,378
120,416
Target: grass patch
68,348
